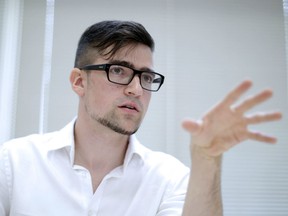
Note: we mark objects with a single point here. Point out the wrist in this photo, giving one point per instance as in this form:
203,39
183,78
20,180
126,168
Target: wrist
205,162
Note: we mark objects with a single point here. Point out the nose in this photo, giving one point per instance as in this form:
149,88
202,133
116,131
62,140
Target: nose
134,88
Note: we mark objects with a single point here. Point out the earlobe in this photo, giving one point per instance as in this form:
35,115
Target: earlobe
76,81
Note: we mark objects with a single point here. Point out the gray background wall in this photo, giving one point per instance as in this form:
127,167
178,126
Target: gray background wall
204,48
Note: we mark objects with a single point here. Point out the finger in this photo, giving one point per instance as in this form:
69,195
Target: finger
237,92
263,117
253,101
192,126
261,137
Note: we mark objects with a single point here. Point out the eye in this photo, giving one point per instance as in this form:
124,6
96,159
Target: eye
148,77
117,70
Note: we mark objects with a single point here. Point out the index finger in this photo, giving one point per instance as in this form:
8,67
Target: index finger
237,92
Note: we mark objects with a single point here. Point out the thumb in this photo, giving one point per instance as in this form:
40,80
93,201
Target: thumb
192,126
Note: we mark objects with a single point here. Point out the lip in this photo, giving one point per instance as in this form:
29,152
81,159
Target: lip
130,106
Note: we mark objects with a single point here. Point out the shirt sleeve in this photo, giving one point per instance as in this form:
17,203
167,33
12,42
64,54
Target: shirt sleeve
4,185
173,202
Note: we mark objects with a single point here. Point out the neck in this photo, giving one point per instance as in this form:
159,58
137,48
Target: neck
98,148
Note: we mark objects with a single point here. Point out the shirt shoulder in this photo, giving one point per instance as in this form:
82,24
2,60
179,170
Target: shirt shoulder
27,142
162,165
41,142
154,158
165,162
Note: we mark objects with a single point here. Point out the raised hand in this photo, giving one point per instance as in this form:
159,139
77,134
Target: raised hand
226,125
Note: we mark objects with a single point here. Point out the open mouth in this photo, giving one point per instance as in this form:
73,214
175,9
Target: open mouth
129,106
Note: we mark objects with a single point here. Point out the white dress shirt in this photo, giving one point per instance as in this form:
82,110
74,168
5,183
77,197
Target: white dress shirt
38,177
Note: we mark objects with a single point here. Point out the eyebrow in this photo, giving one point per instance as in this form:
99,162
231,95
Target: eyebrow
129,64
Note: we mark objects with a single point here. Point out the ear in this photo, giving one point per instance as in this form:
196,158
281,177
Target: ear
77,81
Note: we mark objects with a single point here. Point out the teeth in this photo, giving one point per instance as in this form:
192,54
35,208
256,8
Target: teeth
129,107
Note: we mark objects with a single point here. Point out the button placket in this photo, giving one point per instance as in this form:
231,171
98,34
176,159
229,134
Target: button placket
85,184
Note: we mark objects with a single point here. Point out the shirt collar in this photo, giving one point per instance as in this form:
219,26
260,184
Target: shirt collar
65,139
135,149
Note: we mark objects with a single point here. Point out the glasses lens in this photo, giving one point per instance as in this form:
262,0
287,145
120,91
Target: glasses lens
120,74
151,81
123,75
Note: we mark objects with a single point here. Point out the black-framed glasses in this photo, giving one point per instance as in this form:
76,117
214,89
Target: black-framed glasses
123,75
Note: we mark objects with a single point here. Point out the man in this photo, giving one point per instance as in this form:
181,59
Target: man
96,166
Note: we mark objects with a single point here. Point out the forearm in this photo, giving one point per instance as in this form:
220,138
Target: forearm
204,190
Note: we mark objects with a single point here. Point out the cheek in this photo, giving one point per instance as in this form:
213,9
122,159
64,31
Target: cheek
102,96
96,94
146,100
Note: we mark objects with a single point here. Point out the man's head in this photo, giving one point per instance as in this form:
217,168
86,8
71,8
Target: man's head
107,37
114,77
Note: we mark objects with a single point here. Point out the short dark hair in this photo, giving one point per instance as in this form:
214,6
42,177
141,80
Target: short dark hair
112,33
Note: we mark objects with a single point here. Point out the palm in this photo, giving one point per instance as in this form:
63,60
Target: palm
224,126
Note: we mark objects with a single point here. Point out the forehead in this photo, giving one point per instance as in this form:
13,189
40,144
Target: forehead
137,55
